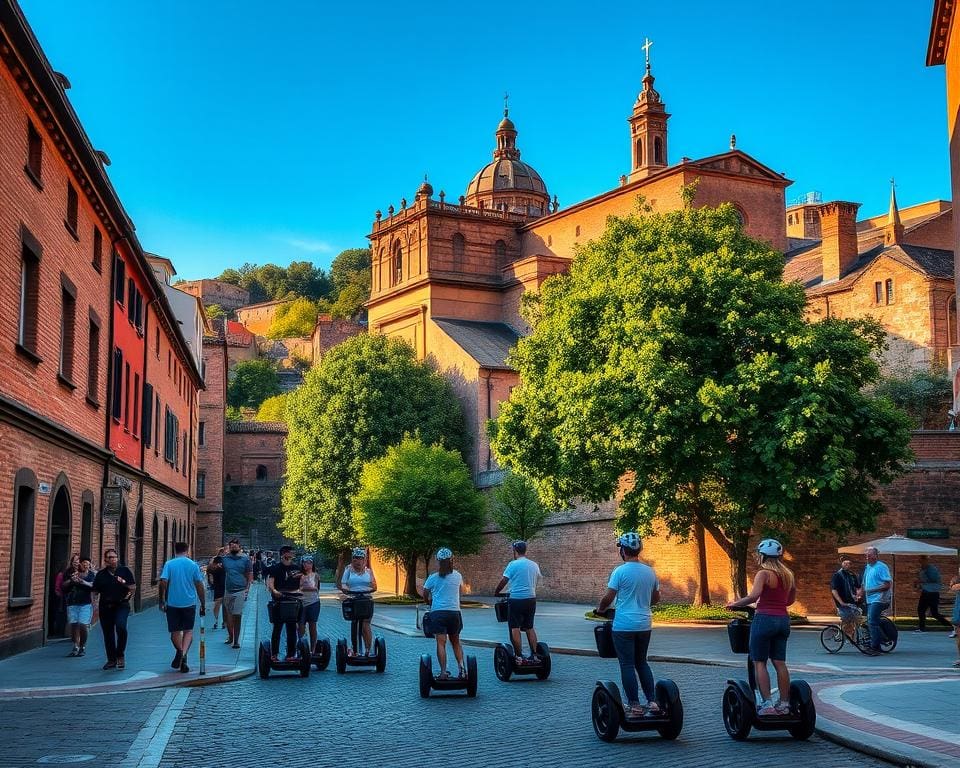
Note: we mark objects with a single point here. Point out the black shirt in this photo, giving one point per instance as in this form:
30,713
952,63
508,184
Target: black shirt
110,590
286,578
846,585
78,593
218,576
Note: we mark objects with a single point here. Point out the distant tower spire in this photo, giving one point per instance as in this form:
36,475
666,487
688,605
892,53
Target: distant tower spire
506,104
893,231
648,126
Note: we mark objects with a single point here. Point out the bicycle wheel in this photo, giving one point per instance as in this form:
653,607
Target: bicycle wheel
832,638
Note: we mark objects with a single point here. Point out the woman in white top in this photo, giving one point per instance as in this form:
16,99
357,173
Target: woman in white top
357,577
310,587
442,591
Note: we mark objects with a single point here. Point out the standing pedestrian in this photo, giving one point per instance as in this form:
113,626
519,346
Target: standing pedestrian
216,578
877,589
237,576
77,595
181,588
928,581
114,585
522,574
60,621
955,588
635,587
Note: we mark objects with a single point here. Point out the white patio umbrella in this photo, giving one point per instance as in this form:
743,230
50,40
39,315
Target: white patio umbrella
898,545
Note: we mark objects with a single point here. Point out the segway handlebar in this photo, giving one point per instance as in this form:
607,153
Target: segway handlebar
607,615
358,592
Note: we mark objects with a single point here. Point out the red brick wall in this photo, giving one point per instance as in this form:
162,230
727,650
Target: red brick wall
243,452
210,454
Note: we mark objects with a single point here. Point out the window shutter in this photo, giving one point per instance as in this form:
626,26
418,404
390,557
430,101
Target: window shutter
146,421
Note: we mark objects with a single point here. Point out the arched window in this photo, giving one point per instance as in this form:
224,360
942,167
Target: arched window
397,272
639,153
741,217
501,250
154,548
952,330
261,473
378,270
658,151
166,541
459,247
24,511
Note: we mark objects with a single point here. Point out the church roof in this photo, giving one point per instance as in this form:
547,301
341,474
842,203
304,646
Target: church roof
487,343
505,174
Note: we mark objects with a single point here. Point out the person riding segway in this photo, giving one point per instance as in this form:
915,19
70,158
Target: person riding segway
521,603
285,611
358,584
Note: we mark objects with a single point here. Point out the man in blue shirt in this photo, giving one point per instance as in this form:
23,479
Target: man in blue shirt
877,588
181,587
237,577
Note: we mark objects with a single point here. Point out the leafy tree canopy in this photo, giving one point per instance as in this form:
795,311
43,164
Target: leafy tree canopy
215,311
273,408
673,353
270,282
350,301
364,396
295,318
350,265
252,382
416,498
924,395
516,508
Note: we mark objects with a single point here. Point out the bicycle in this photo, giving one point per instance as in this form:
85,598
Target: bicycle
833,638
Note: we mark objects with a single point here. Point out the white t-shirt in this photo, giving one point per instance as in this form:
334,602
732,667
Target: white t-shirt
634,583
523,575
444,591
357,582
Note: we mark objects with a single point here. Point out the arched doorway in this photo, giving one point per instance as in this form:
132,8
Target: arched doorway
122,534
138,558
58,551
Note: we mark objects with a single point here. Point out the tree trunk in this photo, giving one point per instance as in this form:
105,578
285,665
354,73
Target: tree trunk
410,575
738,564
343,560
701,595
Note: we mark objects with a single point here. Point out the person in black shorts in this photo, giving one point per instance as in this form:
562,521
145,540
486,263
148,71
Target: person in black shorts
283,578
217,579
522,574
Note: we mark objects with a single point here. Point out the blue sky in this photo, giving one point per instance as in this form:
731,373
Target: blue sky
270,132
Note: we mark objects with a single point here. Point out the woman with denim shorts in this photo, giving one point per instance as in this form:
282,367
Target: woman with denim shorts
773,590
442,591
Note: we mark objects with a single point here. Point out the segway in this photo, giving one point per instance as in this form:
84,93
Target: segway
740,699
321,653
287,608
607,710
430,682
357,608
505,663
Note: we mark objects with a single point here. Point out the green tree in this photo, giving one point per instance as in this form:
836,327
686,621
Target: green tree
295,318
516,508
673,354
252,382
350,301
233,413
414,499
925,396
348,265
273,408
363,397
215,312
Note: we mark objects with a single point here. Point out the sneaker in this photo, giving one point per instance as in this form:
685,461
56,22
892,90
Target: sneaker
110,665
214,625
235,646
121,663
183,666
178,657
870,651
653,709
74,652
81,651
783,707
635,712
228,641
918,631
534,658
953,634
519,660
766,709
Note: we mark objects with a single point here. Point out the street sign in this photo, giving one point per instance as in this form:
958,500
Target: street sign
928,533
112,500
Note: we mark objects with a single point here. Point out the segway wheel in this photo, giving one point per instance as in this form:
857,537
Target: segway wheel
426,675
605,713
543,651
381,648
341,656
502,664
668,697
472,676
263,660
736,718
323,654
305,661
801,702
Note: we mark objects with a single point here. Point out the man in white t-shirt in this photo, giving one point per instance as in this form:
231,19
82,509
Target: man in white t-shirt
636,589
522,573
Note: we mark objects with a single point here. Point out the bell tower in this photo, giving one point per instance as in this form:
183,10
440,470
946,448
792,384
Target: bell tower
648,128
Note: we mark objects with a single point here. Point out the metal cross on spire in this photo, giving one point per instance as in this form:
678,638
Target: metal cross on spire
647,45
506,105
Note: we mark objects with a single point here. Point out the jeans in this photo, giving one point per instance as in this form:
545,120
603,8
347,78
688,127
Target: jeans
930,601
632,655
291,638
113,622
873,623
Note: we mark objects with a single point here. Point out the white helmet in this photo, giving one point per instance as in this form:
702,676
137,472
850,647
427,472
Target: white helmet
359,552
630,540
770,548
444,553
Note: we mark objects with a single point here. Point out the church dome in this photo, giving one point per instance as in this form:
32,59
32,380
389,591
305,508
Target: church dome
506,174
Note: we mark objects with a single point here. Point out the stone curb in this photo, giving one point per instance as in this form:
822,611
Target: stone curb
892,751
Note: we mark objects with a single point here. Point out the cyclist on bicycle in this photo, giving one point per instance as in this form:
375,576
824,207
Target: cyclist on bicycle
844,587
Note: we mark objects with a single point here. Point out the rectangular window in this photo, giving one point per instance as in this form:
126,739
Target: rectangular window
156,427
68,324
156,336
201,432
34,166
117,384
138,313
201,484
29,296
878,292
119,278
147,419
73,203
22,566
126,397
131,298
97,259
170,434
136,404
93,359
890,296
169,363
185,455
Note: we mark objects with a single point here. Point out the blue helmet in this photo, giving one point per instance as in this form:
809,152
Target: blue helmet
359,552
630,540
444,553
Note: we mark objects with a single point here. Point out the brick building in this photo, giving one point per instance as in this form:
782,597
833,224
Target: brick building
80,313
210,444
254,464
257,318
329,332
225,295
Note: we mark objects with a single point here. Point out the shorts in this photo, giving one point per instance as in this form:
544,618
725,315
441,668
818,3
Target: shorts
846,613
80,614
218,593
520,612
446,622
181,619
233,602
768,637
311,612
